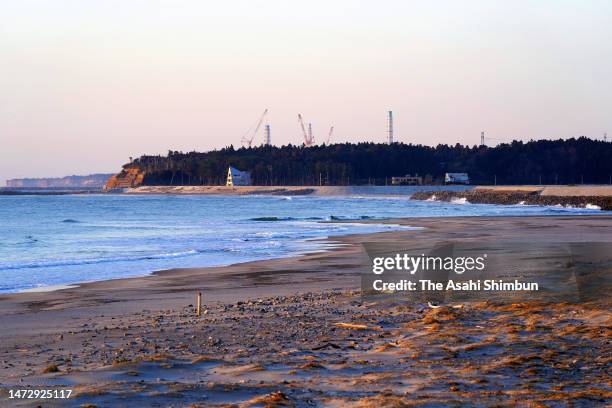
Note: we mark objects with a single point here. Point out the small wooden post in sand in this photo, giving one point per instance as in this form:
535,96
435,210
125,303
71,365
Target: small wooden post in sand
199,303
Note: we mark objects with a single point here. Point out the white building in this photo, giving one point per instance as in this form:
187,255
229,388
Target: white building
407,180
456,178
236,177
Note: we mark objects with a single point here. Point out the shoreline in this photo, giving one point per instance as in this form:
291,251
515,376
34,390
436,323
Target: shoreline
106,336
325,243
185,279
48,288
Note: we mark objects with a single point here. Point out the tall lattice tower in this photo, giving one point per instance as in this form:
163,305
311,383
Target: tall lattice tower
482,141
267,138
310,136
390,127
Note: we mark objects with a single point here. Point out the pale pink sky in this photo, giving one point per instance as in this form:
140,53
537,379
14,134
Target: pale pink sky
86,84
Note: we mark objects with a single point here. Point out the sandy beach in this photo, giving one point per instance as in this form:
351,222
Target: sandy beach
296,332
546,190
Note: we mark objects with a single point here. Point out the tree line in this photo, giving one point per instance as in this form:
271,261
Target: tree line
571,161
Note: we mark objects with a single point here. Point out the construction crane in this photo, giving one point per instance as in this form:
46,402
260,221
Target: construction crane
329,135
247,138
308,138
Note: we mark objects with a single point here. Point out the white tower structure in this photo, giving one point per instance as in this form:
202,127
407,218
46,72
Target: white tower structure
267,138
390,128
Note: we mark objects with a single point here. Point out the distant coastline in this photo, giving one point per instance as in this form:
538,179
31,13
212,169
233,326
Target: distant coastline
90,181
28,191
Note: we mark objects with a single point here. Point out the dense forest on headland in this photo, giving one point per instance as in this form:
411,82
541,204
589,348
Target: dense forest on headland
571,161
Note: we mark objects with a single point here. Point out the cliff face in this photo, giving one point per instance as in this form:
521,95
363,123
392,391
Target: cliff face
127,178
92,181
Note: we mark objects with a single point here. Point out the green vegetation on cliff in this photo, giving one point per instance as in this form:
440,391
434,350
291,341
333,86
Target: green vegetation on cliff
569,161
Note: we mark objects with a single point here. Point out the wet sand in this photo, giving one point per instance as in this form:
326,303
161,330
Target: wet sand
296,332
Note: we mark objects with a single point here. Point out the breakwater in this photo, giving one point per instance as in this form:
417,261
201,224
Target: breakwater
510,197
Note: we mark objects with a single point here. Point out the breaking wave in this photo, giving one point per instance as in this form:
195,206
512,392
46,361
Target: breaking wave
461,200
91,261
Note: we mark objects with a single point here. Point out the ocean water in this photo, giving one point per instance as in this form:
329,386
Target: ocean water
56,240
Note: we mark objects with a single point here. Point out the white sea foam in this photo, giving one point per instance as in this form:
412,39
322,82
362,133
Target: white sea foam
91,261
461,200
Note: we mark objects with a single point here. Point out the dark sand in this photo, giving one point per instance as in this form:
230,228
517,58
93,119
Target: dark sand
271,336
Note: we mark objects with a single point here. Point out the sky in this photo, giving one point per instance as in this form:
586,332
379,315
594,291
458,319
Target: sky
86,84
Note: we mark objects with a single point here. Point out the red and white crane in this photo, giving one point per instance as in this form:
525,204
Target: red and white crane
308,137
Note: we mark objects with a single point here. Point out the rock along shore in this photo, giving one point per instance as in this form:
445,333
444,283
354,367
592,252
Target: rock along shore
514,197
